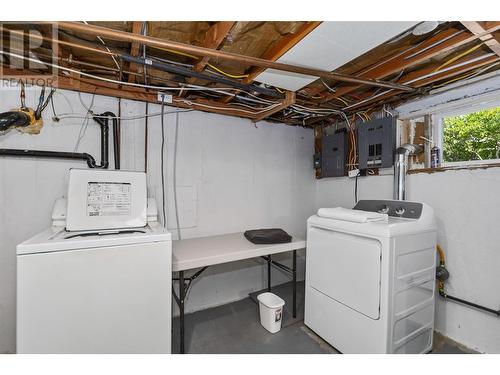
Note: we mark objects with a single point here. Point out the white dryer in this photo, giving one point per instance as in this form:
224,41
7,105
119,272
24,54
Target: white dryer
370,286
97,290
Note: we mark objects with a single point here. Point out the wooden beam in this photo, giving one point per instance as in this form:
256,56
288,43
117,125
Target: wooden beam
475,28
134,50
222,55
214,37
288,101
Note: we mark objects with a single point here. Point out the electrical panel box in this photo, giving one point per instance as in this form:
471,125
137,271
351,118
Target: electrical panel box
334,154
376,143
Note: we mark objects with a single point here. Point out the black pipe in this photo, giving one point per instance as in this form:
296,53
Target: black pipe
119,127
49,154
72,155
116,143
191,73
103,120
472,304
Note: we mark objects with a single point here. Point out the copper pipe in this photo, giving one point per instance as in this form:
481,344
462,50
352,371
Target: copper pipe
218,54
82,63
58,41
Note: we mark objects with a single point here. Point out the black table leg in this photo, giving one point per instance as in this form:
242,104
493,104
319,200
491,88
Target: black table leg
182,290
269,273
294,273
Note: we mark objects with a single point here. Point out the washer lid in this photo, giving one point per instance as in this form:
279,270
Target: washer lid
57,239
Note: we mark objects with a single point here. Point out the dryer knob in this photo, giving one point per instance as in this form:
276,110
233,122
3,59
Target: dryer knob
400,211
384,209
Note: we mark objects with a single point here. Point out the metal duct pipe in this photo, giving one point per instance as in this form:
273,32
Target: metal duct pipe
401,166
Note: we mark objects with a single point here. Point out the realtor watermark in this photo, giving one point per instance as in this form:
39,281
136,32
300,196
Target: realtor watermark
28,54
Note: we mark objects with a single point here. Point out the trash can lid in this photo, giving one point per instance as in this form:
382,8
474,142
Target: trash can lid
270,300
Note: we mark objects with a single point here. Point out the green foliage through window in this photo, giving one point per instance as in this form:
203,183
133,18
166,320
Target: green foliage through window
475,136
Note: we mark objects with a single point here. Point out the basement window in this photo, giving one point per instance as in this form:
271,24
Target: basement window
468,137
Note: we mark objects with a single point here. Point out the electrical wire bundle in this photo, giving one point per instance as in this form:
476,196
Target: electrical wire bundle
42,102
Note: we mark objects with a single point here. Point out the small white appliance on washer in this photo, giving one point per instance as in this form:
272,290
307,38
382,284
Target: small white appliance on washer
98,280
370,285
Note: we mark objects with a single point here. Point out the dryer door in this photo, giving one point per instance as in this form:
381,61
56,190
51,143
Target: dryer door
346,268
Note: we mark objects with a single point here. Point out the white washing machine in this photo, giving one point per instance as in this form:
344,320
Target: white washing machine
370,286
95,289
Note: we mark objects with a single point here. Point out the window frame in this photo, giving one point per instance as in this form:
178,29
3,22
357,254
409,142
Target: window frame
437,130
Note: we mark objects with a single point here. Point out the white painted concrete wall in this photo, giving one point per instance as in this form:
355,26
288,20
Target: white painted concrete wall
466,205
232,176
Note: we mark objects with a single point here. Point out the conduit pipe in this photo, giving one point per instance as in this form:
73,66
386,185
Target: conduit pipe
401,166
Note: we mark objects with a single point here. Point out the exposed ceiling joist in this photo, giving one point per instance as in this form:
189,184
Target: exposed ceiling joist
214,37
488,39
134,50
227,56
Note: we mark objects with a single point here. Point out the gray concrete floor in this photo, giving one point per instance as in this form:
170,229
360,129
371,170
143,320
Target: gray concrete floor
235,329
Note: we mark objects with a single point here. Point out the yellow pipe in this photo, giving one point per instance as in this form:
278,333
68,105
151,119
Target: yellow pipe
441,254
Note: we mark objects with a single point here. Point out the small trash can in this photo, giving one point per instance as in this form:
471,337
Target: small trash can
271,311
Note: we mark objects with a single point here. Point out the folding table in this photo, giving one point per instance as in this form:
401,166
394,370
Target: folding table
202,252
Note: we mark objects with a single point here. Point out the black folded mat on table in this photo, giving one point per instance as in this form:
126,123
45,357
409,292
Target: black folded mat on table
267,236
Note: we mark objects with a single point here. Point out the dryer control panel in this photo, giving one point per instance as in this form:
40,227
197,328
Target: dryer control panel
402,209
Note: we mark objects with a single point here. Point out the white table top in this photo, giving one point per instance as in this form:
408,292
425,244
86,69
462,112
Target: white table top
207,251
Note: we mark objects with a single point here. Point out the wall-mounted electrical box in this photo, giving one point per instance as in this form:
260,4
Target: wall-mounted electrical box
334,151
376,143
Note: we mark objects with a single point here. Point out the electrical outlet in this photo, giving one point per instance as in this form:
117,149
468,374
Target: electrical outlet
166,98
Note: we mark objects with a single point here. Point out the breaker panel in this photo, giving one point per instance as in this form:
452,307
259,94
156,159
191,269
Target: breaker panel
376,143
334,150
